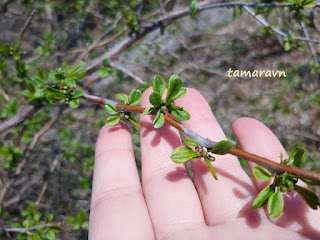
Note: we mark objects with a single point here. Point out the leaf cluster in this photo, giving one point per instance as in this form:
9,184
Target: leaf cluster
183,153
285,182
65,81
32,217
133,99
163,106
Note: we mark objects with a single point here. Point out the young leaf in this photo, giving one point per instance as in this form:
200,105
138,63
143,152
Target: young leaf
174,87
105,62
74,103
158,85
113,120
191,142
77,68
70,82
182,154
262,197
111,109
182,115
135,124
158,121
208,162
221,148
147,111
78,93
103,72
193,5
155,99
123,97
181,93
297,156
308,196
275,204
260,173
135,96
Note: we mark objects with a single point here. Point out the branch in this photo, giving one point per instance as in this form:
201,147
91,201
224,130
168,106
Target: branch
14,121
26,25
205,142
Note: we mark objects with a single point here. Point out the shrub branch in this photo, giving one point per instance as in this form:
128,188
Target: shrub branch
205,142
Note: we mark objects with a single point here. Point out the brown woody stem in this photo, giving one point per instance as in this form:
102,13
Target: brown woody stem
266,163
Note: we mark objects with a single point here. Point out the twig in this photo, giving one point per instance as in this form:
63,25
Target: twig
5,96
126,71
96,41
22,230
304,99
305,30
52,167
205,142
265,23
26,25
37,136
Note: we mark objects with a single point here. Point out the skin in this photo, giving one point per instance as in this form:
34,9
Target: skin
166,204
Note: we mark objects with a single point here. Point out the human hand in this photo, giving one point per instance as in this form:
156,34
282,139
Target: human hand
169,205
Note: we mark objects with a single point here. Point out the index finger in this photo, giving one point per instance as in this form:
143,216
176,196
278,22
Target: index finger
117,198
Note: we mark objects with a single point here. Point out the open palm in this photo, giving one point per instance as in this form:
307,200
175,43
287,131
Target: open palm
168,205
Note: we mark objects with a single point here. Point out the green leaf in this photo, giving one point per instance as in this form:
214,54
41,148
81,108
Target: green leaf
113,120
158,85
111,109
297,156
261,173
193,5
191,142
308,196
78,93
158,121
135,96
74,103
49,218
135,124
182,154
70,82
105,62
181,93
51,235
147,111
78,68
287,46
182,115
262,197
123,97
209,165
222,147
155,99
275,204
174,87
103,72
309,3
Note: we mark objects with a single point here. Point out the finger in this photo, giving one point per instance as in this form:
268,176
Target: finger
256,138
172,200
230,196
117,201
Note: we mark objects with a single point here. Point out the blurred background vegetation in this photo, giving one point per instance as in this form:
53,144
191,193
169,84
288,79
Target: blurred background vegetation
47,160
